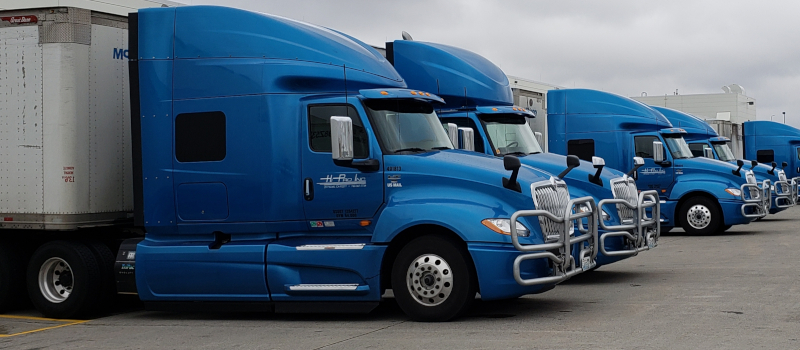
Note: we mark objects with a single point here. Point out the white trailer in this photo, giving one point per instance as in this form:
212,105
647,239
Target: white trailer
65,151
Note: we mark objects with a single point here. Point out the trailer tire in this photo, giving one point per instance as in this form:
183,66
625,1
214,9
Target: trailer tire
444,277
12,278
64,280
108,281
700,216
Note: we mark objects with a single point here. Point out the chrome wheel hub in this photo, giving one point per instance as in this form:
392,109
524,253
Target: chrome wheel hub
429,280
698,217
55,280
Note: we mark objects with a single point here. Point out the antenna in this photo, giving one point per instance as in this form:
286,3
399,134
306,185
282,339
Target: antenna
407,36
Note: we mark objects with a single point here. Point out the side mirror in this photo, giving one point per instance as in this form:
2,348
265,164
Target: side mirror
772,171
784,165
466,139
753,164
452,133
739,163
341,138
598,163
572,162
658,152
708,152
539,138
513,164
637,163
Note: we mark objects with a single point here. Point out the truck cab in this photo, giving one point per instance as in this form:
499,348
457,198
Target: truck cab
768,141
479,104
288,166
700,195
704,141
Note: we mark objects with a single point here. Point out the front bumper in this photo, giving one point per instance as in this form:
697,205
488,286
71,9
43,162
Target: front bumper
558,253
640,233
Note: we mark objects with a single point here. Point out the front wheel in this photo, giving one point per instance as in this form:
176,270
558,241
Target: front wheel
700,216
433,280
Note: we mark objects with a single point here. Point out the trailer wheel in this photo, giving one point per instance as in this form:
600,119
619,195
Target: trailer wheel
108,282
12,277
700,216
64,280
433,280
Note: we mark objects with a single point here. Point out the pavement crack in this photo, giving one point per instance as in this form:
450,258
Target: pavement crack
361,335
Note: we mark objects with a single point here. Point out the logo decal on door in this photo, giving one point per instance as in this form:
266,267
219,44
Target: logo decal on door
653,171
342,181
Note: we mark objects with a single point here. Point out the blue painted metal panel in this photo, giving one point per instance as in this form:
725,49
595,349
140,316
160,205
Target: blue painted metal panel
191,271
461,77
289,266
155,90
782,139
216,32
156,28
202,201
694,126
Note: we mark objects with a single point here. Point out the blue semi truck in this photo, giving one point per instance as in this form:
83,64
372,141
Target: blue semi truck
767,141
704,141
282,164
478,98
700,195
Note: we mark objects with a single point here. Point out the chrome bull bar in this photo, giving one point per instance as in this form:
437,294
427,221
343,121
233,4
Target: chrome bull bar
754,196
795,190
783,194
642,233
563,263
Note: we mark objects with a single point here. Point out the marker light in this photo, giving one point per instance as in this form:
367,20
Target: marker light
427,94
413,92
503,227
494,109
734,191
384,93
365,222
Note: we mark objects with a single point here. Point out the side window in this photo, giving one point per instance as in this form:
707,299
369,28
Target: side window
583,149
319,128
200,137
697,149
798,154
466,123
765,156
643,145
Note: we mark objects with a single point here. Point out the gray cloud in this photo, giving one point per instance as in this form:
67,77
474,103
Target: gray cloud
625,47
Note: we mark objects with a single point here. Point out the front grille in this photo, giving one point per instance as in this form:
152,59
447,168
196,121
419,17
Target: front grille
784,186
551,195
625,188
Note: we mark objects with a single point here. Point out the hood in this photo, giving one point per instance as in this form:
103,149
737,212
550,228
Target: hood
702,165
577,177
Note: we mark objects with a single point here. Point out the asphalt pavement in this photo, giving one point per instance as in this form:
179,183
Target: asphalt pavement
737,290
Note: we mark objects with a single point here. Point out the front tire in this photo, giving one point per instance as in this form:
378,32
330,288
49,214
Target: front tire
433,279
700,216
64,280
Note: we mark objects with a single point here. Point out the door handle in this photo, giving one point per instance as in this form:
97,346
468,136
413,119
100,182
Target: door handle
308,189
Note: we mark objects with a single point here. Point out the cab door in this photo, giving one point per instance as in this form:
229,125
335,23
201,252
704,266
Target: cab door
653,176
796,161
336,192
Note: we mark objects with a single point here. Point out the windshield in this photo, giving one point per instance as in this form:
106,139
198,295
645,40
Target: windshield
678,147
724,151
510,135
404,125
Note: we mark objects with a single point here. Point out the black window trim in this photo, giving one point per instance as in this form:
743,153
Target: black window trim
224,134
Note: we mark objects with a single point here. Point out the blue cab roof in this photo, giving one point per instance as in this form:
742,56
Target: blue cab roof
608,111
770,128
223,32
695,127
463,78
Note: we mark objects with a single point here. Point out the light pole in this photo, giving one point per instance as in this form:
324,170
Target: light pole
784,117
770,117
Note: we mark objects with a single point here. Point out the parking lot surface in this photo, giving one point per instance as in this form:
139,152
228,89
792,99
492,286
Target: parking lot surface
737,290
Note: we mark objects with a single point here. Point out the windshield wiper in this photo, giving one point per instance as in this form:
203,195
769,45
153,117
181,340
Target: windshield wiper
441,148
410,149
517,153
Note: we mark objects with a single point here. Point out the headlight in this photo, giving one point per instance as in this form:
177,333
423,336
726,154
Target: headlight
503,227
734,191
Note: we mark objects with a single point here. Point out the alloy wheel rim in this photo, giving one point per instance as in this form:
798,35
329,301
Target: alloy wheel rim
429,279
55,280
699,216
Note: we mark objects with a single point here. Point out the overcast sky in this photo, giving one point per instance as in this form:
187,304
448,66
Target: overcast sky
624,47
